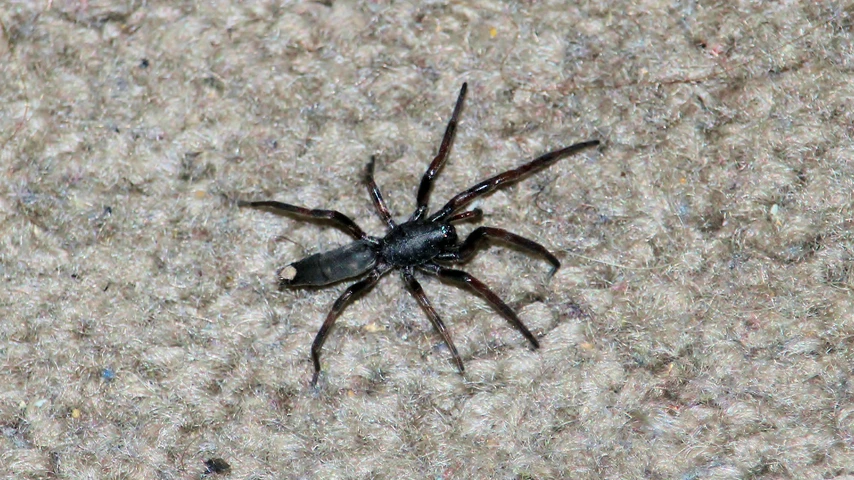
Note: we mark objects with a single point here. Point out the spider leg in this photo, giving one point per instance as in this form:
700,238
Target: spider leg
480,288
339,219
475,238
418,292
339,305
439,160
474,214
377,196
490,184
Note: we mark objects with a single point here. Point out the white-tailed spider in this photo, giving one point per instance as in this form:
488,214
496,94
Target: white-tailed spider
424,242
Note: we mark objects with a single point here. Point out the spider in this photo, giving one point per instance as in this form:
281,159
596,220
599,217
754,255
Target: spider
424,242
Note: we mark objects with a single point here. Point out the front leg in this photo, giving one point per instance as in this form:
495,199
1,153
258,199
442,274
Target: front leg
464,198
436,165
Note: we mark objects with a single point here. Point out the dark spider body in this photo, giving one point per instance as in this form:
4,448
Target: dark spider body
425,244
332,266
414,243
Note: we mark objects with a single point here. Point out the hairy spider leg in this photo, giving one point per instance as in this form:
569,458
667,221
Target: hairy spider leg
339,219
474,214
490,184
355,289
480,288
377,196
418,292
467,249
436,165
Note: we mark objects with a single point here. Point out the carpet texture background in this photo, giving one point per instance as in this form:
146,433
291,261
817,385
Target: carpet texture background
701,326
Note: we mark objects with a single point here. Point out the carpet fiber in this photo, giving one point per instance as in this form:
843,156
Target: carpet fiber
701,325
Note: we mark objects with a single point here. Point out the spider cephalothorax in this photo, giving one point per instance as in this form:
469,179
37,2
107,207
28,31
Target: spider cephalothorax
421,243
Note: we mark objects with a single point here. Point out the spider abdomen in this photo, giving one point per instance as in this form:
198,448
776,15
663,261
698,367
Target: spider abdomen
414,243
329,267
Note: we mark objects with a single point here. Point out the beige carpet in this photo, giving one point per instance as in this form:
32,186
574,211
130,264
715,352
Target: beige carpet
700,328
